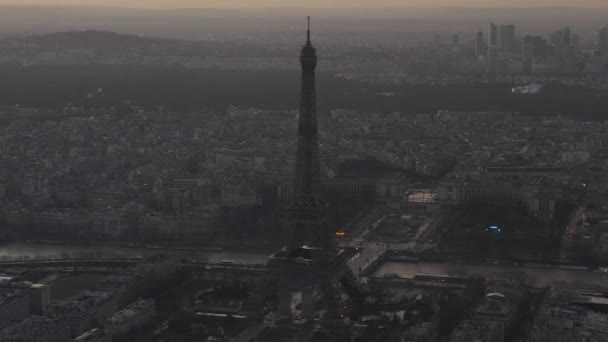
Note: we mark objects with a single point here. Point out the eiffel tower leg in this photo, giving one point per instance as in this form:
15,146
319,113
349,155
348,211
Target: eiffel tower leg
284,305
329,296
308,306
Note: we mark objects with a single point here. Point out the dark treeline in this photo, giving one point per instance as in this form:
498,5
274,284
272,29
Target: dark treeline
56,86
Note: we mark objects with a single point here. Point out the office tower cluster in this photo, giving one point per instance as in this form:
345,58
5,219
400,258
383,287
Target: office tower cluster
501,41
498,51
560,52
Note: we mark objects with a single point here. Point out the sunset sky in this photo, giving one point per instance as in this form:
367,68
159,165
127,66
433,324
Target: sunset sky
313,3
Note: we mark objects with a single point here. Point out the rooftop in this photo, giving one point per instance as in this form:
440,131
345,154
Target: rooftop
91,335
141,306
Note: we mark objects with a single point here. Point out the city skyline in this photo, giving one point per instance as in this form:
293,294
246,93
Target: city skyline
180,174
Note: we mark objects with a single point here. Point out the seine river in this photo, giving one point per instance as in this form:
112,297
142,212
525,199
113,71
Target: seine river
22,250
537,276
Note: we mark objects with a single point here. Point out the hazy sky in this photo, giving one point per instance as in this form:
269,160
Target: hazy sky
314,3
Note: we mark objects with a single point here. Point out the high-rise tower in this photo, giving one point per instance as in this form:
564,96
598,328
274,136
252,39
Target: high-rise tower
562,40
507,37
602,43
534,49
479,51
492,57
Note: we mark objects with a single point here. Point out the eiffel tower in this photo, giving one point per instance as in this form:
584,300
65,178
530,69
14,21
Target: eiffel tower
310,266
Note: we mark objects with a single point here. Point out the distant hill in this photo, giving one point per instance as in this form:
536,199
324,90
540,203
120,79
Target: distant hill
92,39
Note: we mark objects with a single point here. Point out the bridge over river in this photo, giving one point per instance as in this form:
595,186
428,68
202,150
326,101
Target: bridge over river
253,261
536,275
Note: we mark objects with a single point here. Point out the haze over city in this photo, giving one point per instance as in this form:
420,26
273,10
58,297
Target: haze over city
322,171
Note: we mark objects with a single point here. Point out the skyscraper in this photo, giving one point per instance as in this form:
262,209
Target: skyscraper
575,40
534,49
562,36
602,43
527,56
492,57
507,38
493,35
561,40
479,50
